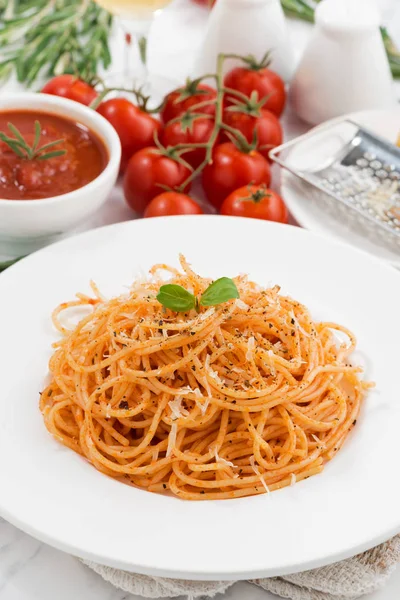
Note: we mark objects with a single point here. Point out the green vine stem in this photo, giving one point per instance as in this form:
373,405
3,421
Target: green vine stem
219,106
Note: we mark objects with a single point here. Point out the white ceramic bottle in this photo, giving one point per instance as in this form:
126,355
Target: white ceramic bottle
345,67
246,27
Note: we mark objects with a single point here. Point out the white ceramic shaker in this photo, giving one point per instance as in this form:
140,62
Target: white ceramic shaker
246,27
345,67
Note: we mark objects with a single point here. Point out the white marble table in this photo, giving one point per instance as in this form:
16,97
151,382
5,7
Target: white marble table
30,570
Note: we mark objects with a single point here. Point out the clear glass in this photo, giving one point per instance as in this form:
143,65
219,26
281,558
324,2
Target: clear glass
134,18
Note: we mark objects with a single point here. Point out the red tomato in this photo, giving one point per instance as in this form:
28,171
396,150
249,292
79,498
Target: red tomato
231,169
172,203
255,201
198,132
136,128
262,80
266,124
183,99
147,171
70,86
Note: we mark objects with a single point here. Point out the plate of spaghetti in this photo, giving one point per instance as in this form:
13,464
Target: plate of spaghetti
201,397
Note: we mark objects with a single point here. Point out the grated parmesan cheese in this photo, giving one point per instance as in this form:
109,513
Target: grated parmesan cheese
171,439
251,342
207,314
221,460
257,472
199,401
240,304
297,324
176,408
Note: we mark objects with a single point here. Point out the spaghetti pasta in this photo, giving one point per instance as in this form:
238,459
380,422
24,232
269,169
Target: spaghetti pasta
238,399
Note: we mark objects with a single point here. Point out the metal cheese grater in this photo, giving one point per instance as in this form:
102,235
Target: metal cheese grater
353,173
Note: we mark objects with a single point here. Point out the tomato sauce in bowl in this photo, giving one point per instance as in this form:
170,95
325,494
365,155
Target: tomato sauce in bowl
85,156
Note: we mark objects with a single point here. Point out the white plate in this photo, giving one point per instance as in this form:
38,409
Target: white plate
385,123
53,494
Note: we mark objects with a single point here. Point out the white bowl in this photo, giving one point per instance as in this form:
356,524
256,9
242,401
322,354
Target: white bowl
28,225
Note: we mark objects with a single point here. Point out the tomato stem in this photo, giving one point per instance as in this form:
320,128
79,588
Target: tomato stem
219,106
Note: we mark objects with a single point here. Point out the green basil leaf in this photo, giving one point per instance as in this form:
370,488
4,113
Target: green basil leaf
219,291
176,298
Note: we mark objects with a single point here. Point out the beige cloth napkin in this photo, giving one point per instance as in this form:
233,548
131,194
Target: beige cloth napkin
345,580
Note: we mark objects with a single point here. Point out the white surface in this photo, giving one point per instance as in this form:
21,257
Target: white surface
68,514
22,223
308,214
30,570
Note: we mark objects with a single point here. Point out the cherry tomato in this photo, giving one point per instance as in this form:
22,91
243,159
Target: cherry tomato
70,86
147,171
255,201
262,80
136,128
231,169
172,203
265,123
183,99
189,131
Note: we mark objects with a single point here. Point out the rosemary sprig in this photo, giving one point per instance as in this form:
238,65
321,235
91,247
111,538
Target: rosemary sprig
20,146
304,9
51,37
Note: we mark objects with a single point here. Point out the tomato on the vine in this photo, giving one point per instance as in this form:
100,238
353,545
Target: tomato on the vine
70,86
190,129
263,122
135,127
147,172
186,98
172,203
230,169
255,201
257,78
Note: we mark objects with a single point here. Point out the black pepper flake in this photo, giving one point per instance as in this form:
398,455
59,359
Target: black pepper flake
161,322
123,405
293,333
233,401
292,321
193,367
164,486
355,421
192,333
115,333
202,492
160,331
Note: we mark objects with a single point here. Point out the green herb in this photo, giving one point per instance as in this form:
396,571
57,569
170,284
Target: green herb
51,37
176,298
19,145
219,291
